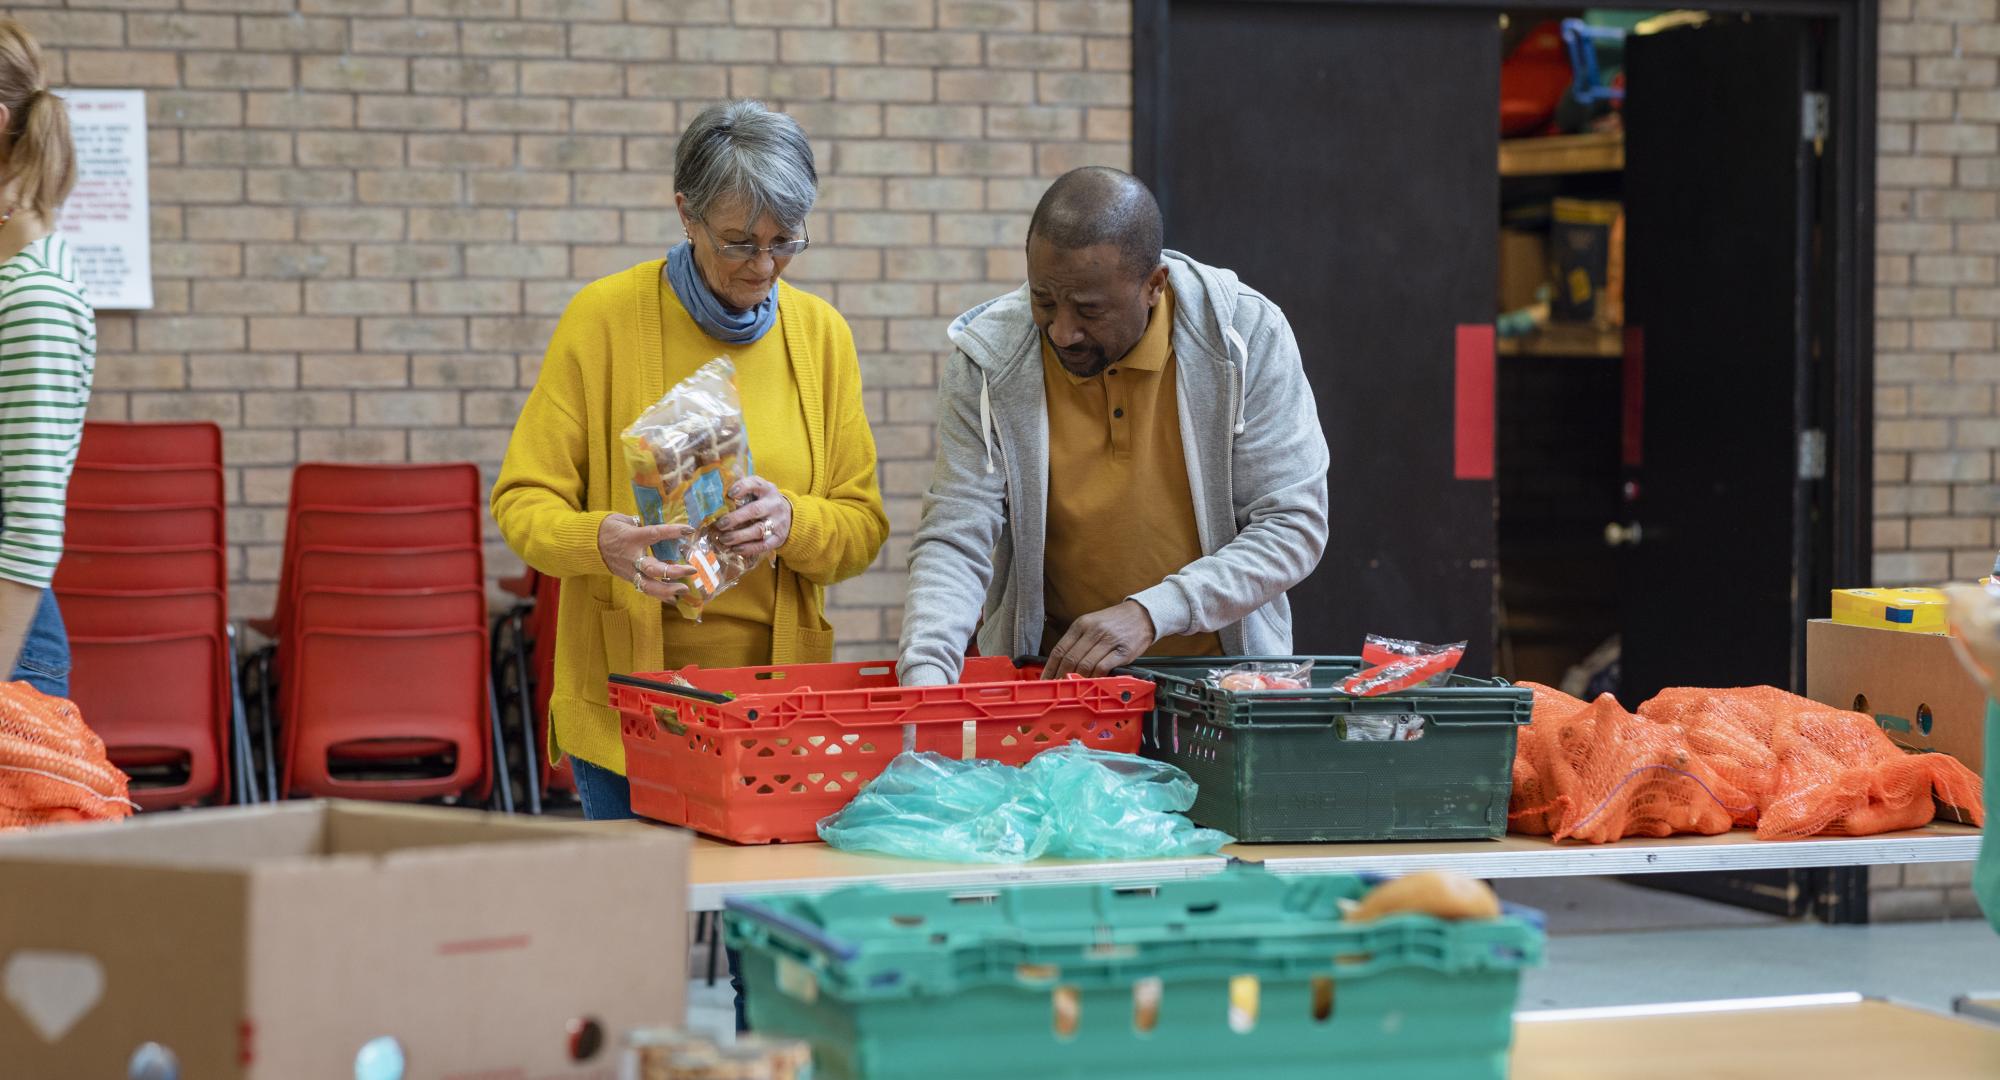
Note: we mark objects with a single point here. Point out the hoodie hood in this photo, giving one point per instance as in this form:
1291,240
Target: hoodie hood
1000,335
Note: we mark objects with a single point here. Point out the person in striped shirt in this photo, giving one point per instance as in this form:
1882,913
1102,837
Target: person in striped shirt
48,352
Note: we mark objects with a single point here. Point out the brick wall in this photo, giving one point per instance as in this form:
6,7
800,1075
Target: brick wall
1937,359
1938,293
369,213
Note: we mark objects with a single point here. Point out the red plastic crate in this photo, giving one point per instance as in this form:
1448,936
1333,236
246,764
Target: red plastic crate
795,743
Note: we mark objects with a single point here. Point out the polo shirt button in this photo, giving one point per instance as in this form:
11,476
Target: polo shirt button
1118,414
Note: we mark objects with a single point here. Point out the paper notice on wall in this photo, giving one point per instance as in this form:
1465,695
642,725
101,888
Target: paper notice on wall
108,219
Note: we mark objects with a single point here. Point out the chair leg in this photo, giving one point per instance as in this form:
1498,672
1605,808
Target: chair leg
263,661
239,733
531,754
503,791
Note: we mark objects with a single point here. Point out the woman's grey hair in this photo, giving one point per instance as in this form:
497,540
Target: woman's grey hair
742,149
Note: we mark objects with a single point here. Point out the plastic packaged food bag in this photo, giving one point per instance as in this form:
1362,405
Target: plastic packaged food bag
1377,650
686,452
1071,802
1381,728
1401,665
1265,675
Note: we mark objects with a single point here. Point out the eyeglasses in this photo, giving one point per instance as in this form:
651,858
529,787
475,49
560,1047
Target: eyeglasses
783,249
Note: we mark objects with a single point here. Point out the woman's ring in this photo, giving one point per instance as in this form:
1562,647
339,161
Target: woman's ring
770,531
638,578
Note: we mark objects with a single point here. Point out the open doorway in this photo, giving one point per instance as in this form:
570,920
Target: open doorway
1356,180
1663,500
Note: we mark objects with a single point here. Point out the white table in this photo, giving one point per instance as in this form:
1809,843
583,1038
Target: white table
720,870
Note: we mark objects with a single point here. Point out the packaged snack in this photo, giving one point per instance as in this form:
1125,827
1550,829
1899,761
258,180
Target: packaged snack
1377,650
1416,665
1263,675
686,452
1402,728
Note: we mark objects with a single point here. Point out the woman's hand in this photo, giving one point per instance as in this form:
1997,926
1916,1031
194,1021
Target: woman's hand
625,545
761,522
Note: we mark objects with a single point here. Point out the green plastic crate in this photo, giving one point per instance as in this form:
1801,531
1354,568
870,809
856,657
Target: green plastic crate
1272,765
918,985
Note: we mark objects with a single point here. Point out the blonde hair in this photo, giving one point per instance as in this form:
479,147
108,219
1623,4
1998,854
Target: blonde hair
41,160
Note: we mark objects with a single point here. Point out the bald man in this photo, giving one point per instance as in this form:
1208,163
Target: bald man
1129,459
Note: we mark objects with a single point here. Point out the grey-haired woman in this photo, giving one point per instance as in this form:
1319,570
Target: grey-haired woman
744,183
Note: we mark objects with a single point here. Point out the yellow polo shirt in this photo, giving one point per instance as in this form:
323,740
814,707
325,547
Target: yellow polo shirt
1121,514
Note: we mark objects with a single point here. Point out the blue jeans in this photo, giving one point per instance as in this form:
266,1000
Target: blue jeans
44,660
607,796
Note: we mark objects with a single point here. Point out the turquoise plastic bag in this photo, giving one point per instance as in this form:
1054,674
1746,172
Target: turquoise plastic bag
1071,802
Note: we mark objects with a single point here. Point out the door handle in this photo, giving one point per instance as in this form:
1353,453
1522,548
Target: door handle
1616,535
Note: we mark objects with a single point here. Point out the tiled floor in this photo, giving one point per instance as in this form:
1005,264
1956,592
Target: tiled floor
1612,943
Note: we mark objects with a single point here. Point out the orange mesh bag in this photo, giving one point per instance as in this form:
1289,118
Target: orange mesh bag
1598,773
52,767
1833,771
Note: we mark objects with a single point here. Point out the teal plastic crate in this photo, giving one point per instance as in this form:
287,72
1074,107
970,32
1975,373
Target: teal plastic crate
1273,765
1096,982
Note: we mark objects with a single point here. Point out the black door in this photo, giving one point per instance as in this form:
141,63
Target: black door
1718,174
1342,160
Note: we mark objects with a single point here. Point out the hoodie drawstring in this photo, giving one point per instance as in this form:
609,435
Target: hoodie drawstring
1236,405
986,420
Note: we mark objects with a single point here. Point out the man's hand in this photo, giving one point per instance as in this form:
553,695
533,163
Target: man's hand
1102,640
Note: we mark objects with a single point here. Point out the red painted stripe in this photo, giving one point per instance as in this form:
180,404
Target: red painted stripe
478,945
1472,457
1634,434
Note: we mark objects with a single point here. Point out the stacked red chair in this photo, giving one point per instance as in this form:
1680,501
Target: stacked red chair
524,665
143,586
379,682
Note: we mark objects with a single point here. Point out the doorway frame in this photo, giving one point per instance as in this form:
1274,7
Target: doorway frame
1847,530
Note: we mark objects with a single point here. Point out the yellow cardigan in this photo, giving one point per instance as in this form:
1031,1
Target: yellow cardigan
565,472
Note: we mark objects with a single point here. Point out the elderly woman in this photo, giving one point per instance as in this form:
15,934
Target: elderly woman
744,182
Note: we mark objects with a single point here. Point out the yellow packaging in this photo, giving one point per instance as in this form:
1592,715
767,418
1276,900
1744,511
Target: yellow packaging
1915,611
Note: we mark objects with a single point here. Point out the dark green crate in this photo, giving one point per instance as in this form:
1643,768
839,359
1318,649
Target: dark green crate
918,985
1272,767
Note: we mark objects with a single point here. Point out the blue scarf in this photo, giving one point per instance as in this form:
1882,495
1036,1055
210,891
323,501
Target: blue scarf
720,323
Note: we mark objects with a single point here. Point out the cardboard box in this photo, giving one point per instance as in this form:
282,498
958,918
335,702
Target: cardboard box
273,942
1524,267
1912,684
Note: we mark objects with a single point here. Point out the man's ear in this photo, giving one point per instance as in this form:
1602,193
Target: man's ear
1156,284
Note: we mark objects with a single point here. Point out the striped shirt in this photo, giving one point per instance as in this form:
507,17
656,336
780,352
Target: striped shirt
48,354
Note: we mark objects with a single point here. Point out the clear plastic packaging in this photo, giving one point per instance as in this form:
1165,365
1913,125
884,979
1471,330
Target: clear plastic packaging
1377,651
1403,728
1070,802
686,452
1402,665
1263,675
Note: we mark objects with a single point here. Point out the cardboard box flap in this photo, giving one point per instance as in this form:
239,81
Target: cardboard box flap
222,837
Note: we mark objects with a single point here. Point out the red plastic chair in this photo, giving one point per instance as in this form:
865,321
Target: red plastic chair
198,443
373,696
151,673
382,486
379,611
192,567
191,525
146,485
390,568
345,608
362,527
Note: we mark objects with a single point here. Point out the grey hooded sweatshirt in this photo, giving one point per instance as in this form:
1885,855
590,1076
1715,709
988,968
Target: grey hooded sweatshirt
1256,461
